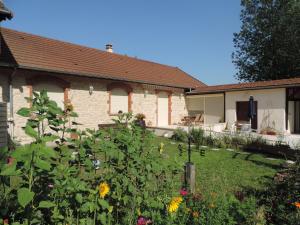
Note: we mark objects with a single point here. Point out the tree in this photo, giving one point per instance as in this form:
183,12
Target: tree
268,44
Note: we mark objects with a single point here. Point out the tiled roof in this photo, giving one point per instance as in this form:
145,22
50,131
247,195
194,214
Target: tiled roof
40,53
248,86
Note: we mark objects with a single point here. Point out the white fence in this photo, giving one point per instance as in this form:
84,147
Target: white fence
3,124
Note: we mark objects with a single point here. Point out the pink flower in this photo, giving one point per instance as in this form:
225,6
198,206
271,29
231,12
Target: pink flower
183,192
50,185
10,160
143,221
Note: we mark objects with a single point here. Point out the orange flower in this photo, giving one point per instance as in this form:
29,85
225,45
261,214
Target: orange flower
297,204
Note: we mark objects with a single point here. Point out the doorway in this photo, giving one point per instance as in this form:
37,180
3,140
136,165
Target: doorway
162,109
242,109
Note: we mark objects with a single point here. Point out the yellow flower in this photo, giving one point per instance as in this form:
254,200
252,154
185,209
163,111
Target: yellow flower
174,204
139,212
103,189
297,204
195,214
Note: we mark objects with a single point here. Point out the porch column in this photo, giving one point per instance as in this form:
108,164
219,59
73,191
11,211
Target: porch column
204,114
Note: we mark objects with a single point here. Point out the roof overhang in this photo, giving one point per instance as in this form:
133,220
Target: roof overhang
242,89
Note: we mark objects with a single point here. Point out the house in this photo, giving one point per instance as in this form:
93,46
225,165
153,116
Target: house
97,83
277,104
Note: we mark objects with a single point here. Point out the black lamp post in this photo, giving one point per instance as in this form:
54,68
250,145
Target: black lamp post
251,109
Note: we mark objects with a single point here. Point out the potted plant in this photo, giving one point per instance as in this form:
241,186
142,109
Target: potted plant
140,120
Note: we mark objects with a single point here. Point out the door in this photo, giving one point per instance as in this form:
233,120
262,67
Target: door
242,110
162,109
297,117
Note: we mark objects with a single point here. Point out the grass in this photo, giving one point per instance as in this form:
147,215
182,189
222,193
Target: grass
224,171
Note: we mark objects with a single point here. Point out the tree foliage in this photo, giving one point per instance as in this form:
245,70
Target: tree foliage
268,44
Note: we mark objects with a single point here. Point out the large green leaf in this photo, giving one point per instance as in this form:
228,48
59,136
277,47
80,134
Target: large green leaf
25,196
31,132
49,138
42,164
78,198
103,218
47,152
46,204
103,203
24,112
9,170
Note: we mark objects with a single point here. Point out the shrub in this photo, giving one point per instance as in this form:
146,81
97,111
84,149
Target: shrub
61,185
197,136
180,135
281,200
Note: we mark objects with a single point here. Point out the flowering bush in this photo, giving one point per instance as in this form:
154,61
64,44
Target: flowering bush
60,185
114,176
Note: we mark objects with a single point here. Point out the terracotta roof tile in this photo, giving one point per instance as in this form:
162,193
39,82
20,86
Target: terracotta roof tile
248,86
36,52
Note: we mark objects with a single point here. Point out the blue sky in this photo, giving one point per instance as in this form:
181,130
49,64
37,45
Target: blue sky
195,35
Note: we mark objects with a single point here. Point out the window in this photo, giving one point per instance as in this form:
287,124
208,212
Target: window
118,101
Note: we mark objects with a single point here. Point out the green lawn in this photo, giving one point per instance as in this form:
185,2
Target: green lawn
224,171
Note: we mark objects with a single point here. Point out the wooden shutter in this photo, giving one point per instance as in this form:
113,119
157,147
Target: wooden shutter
3,124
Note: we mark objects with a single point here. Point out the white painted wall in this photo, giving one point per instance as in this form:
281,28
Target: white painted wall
291,116
270,104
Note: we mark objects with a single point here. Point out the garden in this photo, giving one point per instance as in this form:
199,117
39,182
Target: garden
126,175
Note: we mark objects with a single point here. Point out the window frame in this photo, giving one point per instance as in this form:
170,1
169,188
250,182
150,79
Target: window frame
117,85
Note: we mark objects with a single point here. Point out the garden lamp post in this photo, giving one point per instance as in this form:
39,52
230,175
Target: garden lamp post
251,109
190,170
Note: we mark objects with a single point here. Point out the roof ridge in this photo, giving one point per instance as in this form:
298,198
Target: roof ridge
91,48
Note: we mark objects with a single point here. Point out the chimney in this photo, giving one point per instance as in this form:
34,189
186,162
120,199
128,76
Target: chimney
109,48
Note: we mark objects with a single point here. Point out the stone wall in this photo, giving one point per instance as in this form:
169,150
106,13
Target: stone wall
93,108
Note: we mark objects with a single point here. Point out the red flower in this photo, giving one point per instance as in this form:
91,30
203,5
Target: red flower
5,221
183,192
10,160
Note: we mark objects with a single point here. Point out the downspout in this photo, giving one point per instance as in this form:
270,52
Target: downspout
11,104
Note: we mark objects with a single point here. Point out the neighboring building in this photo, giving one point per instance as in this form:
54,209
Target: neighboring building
277,104
98,83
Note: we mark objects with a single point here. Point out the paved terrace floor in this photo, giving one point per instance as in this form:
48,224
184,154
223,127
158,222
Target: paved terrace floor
293,140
